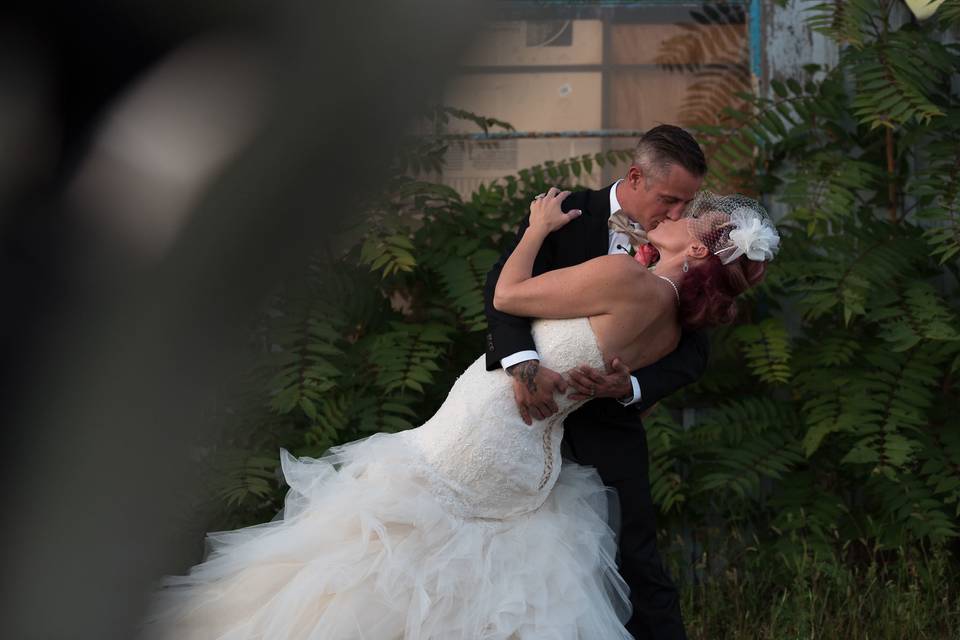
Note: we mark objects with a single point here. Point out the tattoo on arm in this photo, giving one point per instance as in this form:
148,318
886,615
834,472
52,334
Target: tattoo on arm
526,372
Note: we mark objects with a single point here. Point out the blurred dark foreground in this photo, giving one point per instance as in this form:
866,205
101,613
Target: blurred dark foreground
164,165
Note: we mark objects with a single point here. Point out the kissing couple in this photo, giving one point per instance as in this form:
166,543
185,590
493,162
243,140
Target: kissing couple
474,526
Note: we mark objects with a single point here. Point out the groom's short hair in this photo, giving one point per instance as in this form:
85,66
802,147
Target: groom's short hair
667,145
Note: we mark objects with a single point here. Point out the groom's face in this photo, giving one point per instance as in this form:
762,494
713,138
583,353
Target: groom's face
650,202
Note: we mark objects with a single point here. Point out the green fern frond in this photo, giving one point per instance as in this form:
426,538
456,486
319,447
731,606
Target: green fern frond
909,505
443,113
740,469
332,420
421,156
307,343
829,188
948,15
888,453
463,279
803,508
385,414
849,22
758,441
243,478
758,129
766,346
847,271
940,466
405,358
897,79
879,409
936,185
388,254
842,410
829,351
664,440
916,315
540,177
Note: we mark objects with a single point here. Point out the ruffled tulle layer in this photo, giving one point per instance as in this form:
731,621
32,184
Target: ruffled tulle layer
365,550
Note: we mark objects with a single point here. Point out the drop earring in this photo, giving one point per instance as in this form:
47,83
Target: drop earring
686,266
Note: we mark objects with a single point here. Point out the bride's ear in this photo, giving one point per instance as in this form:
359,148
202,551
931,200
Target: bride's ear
698,251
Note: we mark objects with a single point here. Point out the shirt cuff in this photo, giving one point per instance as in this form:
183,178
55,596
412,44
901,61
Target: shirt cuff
636,393
518,357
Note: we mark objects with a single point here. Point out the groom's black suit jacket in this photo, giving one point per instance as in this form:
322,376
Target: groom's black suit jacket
603,433
583,239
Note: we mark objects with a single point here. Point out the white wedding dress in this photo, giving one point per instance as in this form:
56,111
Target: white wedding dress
466,528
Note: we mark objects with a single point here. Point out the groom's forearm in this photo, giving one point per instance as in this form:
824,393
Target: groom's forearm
525,373
676,370
509,340
518,357
509,336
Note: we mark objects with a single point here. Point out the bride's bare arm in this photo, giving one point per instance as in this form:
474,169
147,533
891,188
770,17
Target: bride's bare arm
592,288
583,290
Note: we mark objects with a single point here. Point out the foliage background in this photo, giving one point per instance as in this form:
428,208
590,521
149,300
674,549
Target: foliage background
817,464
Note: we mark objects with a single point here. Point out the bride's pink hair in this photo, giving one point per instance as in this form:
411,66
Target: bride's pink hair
709,293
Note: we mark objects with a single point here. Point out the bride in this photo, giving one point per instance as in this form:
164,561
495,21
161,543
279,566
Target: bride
468,527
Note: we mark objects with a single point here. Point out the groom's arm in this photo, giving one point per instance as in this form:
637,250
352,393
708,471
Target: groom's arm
508,336
646,386
509,340
682,366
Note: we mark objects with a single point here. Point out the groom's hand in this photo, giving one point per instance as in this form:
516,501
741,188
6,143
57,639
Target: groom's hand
588,382
533,389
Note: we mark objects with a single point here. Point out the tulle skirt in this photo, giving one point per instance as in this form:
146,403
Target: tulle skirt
364,549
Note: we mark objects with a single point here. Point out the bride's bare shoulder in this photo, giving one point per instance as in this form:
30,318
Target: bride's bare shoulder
618,265
638,285
652,288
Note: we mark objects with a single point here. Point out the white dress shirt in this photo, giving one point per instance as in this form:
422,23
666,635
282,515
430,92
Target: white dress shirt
618,243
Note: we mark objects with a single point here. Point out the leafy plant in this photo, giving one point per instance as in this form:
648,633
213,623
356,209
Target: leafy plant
843,429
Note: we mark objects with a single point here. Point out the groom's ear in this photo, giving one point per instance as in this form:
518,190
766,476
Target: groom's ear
634,176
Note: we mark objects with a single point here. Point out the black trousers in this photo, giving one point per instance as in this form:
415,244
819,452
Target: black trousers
604,435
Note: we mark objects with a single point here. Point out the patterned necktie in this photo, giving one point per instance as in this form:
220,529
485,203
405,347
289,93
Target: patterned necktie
620,223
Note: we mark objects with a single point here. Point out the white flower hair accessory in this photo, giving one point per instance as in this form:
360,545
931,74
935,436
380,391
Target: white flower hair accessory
732,226
752,236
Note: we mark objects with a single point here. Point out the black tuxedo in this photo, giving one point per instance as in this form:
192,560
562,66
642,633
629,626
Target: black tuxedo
603,433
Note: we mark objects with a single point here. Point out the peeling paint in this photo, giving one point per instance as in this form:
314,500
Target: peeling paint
790,43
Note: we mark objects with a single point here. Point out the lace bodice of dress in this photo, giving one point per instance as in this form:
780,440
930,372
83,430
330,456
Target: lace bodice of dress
480,457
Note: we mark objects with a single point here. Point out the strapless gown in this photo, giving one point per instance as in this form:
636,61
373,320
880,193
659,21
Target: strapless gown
466,528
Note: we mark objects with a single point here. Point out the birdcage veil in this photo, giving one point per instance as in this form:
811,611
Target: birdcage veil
732,226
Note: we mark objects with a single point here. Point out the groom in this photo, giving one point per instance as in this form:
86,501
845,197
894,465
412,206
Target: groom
607,432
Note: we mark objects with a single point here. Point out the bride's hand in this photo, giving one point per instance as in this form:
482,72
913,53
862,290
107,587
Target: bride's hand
545,213
589,383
